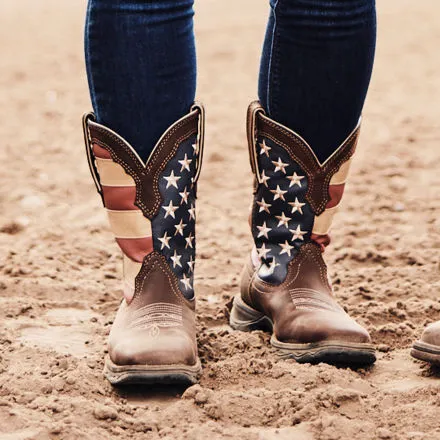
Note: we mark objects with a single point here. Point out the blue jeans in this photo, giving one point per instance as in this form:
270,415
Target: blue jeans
315,67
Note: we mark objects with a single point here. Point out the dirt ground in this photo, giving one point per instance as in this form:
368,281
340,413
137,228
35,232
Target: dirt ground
59,265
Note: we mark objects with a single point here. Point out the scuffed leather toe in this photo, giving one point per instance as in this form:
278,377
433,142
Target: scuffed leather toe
431,335
322,326
146,348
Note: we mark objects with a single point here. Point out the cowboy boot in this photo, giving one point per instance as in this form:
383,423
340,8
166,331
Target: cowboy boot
285,288
151,210
427,348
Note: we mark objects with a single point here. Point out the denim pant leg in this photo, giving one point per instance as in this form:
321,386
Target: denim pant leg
316,67
141,66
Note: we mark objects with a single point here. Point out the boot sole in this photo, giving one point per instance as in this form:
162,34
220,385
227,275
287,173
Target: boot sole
245,318
426,352
152,374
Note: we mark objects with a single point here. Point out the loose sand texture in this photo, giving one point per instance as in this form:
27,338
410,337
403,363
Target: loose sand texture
59,265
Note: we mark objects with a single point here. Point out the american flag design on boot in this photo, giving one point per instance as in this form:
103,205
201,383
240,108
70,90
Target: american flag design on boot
151,205
282,220
296,197
174,225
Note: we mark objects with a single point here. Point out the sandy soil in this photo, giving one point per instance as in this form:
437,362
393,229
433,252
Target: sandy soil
59,265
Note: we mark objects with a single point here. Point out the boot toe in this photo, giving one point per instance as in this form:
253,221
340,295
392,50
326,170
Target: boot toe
431,334
323,326
168,348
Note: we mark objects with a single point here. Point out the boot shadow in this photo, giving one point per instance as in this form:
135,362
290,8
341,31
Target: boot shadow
432,371
151,393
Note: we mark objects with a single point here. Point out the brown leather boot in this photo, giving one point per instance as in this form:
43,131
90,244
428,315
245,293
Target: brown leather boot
151,209
427,348
285,288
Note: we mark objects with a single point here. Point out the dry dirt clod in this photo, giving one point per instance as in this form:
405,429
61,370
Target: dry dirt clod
102,412
384,434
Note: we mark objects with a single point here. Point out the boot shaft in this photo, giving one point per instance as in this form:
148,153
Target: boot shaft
295,196
151,204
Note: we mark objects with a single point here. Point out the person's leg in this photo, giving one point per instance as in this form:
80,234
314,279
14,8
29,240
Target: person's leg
141,66
316,67
315,72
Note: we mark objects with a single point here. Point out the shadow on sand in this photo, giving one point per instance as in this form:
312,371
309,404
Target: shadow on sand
150,394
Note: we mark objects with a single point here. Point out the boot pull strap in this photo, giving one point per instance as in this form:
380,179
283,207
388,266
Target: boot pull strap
89,152
252,132
200,138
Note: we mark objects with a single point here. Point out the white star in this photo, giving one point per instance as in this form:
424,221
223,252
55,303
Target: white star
170,210
172,180
297,206
192,212
184,196
186,282
264,206
265,148
264,230
286,248
262,251
179,228
264,178
185,163
278,193
283,220
194,148
295,179
165,240
298,234
280,165
176,259
191,264
189,241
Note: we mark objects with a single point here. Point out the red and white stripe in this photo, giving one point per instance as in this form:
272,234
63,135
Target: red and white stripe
323,222
131,229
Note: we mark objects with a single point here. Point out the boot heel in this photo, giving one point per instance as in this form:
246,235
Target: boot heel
246,319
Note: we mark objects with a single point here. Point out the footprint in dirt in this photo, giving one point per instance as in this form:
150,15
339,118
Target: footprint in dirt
65,330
